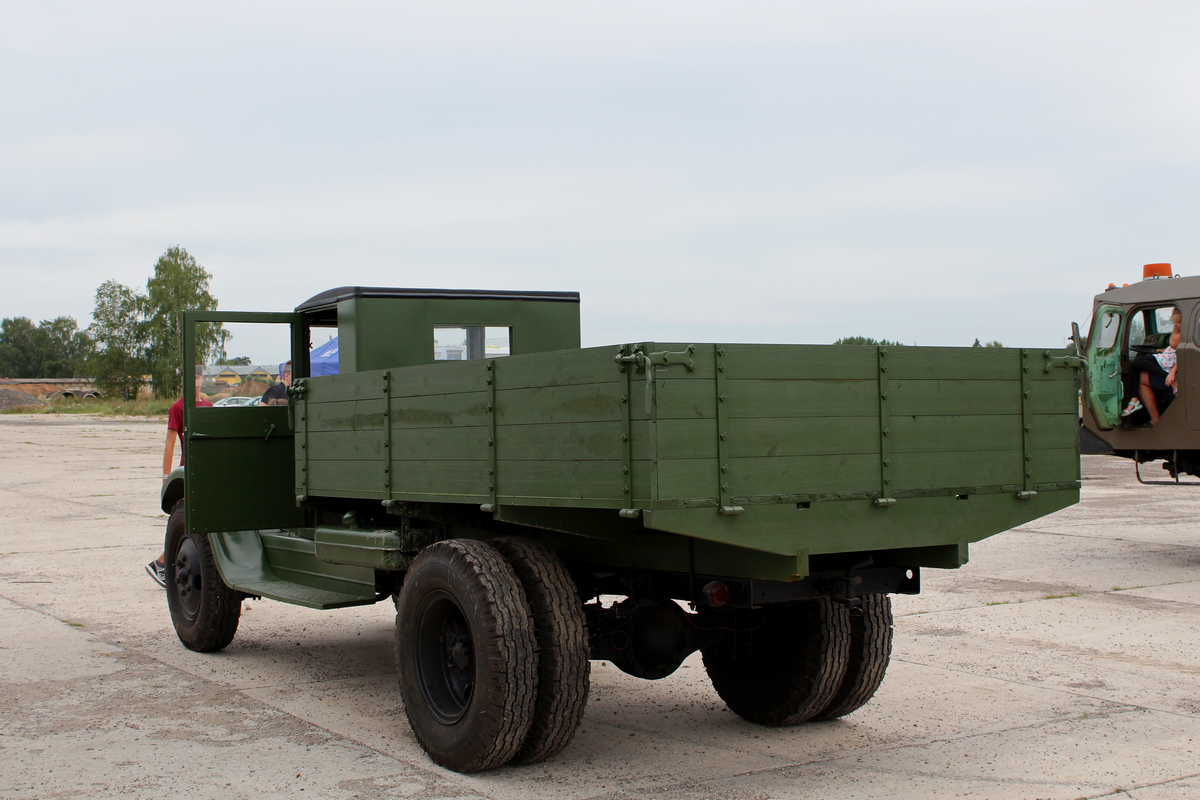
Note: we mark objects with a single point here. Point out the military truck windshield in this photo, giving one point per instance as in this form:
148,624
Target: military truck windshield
470,342
1150,329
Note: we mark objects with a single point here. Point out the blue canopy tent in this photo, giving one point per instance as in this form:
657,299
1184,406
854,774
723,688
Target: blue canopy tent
323,360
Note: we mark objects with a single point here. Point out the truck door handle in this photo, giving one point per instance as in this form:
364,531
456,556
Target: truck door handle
1113,375
270,430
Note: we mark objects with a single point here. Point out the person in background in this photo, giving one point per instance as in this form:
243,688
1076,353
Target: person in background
276,394
158,567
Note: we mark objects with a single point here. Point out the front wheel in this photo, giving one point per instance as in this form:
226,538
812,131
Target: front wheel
204,610
466,655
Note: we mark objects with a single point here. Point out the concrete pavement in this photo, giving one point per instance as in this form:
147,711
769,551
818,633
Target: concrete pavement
1062,662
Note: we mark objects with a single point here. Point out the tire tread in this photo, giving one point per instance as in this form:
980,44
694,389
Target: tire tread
563,652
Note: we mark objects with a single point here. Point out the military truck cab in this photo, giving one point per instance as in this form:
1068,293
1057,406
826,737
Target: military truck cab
1133,321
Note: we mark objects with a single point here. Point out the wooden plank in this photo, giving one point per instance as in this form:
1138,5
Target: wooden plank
800,362
588,403
677,438
444,377
694,478
351,386
1053,465
804,474
775,438
440,477
350,415
1054,431
955,433
936,470
1054,397
969,363
955,397
561,368
926,434
569,480
954,363
464,442
347,445
770,399
560,441
346,478
439,410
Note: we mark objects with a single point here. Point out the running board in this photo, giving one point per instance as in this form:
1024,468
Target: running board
281,566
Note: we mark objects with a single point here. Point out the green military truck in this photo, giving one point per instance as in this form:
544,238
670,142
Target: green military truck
529,505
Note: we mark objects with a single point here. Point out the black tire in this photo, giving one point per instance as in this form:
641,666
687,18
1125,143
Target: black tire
466,655
204,610
870,650
785,664
562,645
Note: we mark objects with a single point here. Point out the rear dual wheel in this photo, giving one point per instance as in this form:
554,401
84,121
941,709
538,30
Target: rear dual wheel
489,642
867,661
802,661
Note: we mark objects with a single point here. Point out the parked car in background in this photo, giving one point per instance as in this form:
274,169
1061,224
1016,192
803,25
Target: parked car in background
226,402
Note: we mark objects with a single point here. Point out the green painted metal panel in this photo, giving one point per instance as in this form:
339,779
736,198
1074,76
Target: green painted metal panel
239,461
858,525
283,566
380,333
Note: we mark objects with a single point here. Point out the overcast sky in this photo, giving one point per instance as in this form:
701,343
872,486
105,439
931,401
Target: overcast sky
930,172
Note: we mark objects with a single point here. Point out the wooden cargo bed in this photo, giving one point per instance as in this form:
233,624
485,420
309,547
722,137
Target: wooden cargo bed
783,448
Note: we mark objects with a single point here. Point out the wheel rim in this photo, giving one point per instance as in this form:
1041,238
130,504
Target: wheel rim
445,659
188,579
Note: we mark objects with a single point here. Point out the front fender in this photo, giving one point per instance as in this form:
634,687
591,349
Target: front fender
172,489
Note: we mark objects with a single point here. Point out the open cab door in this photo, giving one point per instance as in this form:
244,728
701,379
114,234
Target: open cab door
1102,386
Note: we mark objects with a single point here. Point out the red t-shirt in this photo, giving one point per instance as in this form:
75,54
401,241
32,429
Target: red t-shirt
175,419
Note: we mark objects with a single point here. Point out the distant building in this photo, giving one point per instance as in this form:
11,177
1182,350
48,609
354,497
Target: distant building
228,375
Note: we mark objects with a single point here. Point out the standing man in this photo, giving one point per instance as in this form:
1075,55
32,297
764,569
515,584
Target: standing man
158,567
276,393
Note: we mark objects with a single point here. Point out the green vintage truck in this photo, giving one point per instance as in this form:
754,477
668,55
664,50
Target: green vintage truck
530,505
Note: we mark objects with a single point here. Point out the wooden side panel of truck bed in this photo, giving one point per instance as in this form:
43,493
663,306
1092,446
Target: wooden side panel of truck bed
733,427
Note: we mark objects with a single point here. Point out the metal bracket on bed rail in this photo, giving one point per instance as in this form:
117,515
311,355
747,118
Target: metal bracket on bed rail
1070,362
663,358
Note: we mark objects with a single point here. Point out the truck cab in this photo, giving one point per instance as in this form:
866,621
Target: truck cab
1128,322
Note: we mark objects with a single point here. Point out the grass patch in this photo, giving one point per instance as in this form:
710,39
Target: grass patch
1060,596
107,407
73,624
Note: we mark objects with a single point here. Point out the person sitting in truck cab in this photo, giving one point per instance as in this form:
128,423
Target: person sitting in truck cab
1156,373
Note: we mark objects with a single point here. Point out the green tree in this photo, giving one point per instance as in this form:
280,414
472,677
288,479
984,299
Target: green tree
868,340
989,344
238,361
120,331
54,348
179,284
